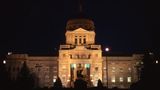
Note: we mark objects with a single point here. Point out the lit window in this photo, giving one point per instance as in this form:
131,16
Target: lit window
54,80
9,53
129,69
141,62
121,79
4,61
113,79
87,65
156,61
73,65
128,79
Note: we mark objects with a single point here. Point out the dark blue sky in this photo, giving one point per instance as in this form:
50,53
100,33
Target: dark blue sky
38,26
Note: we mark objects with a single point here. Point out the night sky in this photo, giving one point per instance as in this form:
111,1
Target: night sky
38,26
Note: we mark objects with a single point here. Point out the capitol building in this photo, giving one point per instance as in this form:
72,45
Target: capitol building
78,58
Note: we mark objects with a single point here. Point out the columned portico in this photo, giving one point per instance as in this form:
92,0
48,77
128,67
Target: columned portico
80,57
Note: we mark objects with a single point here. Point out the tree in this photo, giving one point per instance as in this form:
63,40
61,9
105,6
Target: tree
100,84
25,79
4,77
149,74
80,83
58,83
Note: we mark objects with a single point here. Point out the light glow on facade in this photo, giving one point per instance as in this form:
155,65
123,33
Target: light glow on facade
113,79
156,61
9,53
80,58
121,79
4,61
129,79
54,80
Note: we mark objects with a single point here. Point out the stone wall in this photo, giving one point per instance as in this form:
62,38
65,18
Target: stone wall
44,68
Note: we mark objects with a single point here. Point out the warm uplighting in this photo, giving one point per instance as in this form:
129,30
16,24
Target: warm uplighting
4,61
64,67
107,49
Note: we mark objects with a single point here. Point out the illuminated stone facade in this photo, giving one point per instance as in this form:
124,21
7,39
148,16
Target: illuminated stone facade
81,58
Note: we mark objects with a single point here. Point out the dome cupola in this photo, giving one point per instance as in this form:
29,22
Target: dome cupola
86,24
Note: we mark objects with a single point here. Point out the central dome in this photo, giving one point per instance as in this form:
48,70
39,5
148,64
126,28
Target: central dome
86,24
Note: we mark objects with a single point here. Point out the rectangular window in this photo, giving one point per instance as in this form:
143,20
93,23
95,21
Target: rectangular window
87,65
75,40
84,40
73,65
129,69
113,79
121,69
121,79
128,79
70,56
80,41
64,55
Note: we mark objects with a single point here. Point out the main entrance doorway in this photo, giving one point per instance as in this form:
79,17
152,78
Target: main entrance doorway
80,71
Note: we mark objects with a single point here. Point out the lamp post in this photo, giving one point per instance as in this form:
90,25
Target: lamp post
4,61
107,50
38,70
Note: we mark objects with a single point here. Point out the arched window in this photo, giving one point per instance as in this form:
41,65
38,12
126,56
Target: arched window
80,40
70,56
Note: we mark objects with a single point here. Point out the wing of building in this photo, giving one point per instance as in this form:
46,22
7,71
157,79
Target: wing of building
79,58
